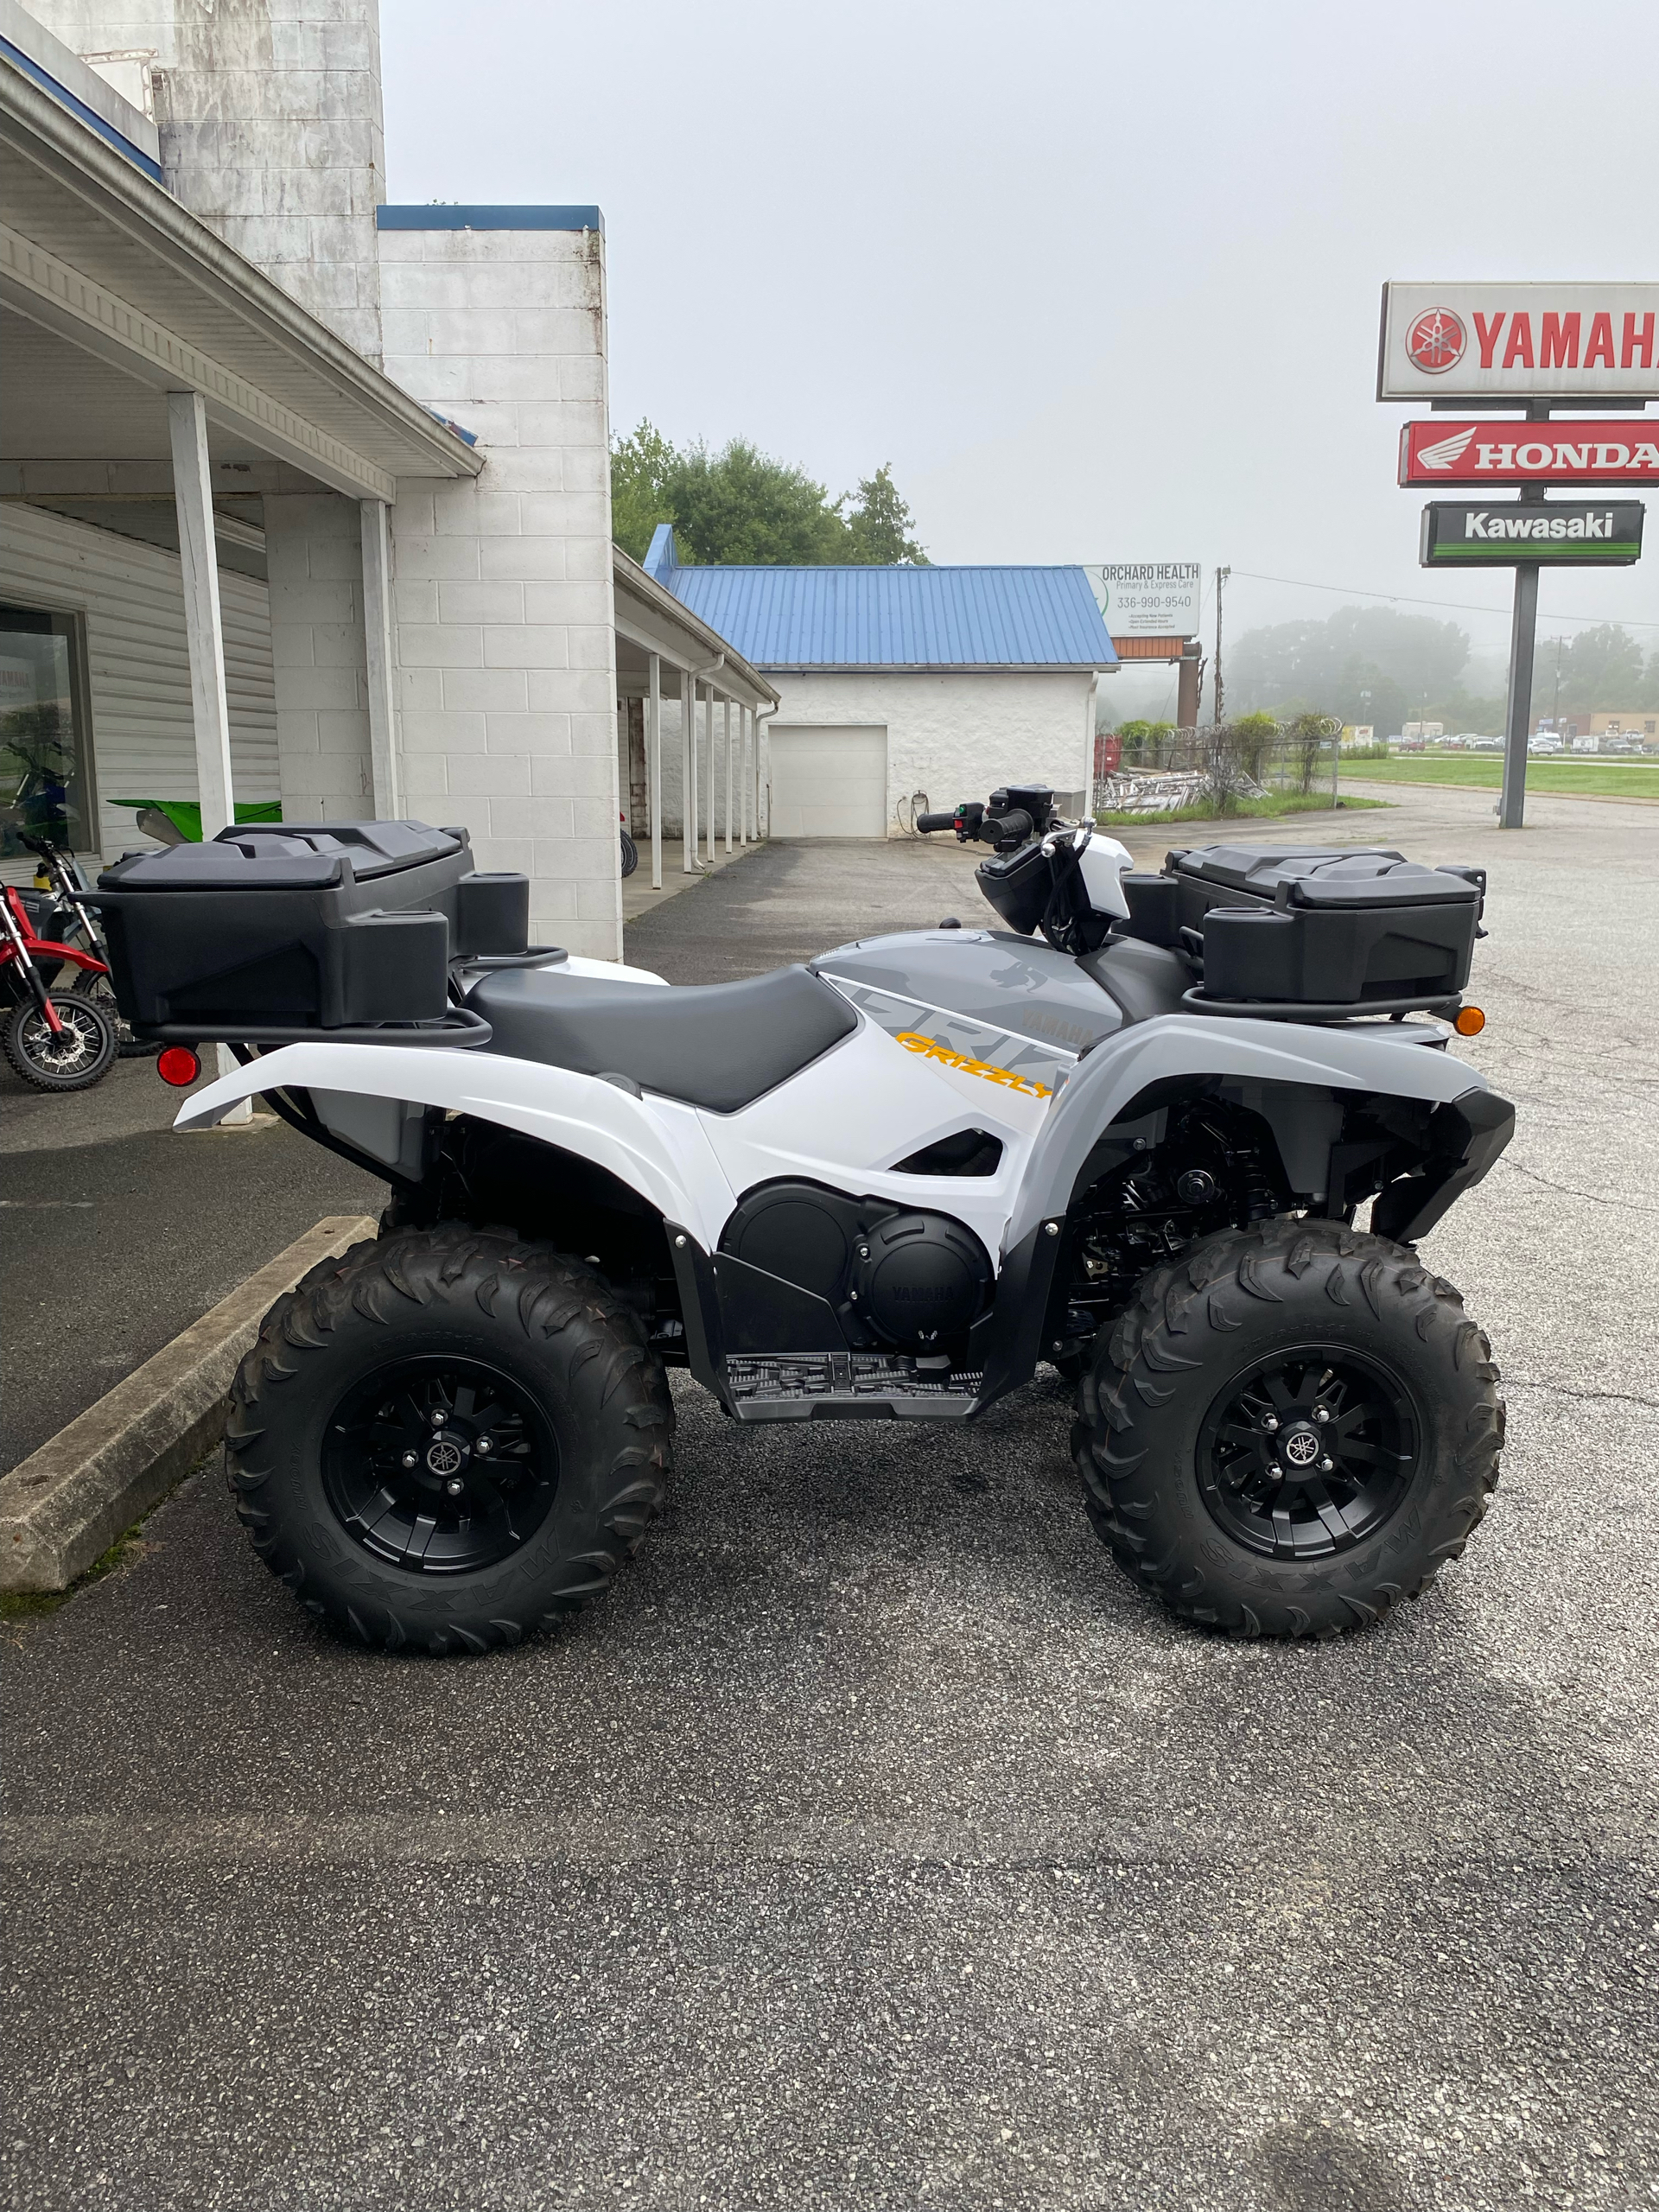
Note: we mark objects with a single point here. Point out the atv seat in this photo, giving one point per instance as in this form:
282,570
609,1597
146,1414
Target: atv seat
715,1044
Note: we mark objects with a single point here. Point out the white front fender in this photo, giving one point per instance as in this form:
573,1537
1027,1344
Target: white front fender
655,1146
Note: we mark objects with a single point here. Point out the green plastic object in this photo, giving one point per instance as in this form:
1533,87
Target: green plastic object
185,814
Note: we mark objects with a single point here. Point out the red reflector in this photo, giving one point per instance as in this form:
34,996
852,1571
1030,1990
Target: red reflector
178,1065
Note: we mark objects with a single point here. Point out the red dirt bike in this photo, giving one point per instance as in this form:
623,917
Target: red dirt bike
57,1040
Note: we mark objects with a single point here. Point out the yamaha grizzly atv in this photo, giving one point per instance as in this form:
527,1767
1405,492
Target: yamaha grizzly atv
1125,1132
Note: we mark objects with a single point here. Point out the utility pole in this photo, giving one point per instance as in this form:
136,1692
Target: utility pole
1222,575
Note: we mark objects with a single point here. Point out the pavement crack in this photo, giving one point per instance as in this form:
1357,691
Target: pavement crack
1565,1390
1571,1191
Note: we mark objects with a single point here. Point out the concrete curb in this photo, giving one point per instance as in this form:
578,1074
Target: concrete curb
65,1505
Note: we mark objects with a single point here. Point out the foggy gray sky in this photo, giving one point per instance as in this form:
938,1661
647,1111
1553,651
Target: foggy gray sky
1100,281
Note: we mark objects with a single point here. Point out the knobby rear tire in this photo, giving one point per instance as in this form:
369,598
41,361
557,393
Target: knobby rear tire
548,1322
1199,1322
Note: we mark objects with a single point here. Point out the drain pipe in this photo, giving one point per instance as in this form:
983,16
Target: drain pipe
762,714
688,762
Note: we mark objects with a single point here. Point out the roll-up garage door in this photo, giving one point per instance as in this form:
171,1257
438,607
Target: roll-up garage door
828,783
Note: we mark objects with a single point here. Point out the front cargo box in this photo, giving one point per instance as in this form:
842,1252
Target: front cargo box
1323,926
323,925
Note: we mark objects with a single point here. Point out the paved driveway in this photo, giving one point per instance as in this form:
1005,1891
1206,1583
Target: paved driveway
874,1845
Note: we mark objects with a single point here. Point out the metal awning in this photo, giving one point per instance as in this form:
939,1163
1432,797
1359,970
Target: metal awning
652,621
111,294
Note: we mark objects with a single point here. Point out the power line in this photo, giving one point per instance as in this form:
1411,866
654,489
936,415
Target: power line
1458,607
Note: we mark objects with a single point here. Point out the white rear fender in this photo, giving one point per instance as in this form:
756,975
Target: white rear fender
656,1147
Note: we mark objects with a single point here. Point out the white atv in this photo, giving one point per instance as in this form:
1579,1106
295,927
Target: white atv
1126,1133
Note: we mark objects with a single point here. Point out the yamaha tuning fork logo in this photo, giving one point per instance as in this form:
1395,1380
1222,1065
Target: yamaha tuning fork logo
1435,342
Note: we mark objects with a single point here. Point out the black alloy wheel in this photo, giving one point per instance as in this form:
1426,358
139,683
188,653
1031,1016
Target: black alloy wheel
1307,1453
440,1466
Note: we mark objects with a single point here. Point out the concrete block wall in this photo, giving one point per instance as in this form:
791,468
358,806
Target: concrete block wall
504,616
272,131
955,735
314,556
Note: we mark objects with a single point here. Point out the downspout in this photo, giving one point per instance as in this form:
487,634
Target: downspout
762,714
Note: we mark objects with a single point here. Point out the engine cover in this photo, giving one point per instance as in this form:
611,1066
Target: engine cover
910,1280
920,1279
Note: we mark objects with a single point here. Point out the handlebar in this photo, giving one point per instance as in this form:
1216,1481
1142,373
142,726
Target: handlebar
928,821
973,824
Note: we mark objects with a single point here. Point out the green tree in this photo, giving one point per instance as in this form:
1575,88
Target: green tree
1254,737
639,467
878,526
1602,668
741,506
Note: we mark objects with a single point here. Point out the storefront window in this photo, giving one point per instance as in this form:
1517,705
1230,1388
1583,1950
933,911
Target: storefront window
45,771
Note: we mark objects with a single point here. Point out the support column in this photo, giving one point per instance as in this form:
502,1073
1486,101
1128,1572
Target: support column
1188,669
204,637
687,771
654,768
710,757
743,714
193,495
1517,727
728,775
377,636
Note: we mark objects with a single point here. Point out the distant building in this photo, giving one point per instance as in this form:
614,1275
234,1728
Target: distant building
894,681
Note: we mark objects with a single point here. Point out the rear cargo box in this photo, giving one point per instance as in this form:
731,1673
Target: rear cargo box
1327,927
310,926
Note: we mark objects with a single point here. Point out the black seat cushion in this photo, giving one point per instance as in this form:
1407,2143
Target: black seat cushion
1146,980
714,1044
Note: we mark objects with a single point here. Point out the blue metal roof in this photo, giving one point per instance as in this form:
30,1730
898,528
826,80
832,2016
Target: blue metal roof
893,618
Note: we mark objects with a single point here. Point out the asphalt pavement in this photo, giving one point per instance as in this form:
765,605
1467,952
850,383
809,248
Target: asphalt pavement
874,1845
115,1234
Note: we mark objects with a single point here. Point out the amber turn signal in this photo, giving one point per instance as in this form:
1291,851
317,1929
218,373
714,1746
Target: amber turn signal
178,1065
1469,1021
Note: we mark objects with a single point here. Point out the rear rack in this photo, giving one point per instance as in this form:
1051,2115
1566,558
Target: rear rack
459,1027
1195,1001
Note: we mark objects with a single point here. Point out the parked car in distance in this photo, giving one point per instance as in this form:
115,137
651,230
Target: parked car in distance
1544,742
1409,744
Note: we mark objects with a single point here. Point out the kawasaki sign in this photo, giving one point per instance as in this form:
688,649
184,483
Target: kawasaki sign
1462,534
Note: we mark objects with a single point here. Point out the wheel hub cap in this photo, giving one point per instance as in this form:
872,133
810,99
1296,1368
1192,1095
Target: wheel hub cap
440,1466
1307,1451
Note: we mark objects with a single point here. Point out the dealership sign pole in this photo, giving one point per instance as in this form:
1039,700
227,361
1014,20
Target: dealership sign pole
1467,349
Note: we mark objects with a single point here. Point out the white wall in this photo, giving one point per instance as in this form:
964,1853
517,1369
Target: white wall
504,616
131,596
269,115
314,556
955,735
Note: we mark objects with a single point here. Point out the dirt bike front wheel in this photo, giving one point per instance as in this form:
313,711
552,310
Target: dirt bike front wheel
73,1057
101,991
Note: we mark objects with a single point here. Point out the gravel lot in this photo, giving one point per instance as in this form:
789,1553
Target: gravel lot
875,1844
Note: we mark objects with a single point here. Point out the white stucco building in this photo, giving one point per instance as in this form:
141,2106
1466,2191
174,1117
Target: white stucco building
304,499
905,688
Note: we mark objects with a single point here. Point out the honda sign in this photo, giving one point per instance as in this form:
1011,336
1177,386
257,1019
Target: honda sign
1492,451
1515,342
1465,534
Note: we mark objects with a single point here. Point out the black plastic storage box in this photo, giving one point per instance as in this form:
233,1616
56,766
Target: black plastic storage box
323,925
1327,927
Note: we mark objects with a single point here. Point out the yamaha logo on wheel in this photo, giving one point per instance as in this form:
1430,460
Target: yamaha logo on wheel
1302,1449
443,1456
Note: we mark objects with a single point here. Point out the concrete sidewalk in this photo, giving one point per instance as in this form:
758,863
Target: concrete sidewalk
874,1846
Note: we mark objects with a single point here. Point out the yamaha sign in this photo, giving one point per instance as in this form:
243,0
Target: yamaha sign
1515,342
1463,534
